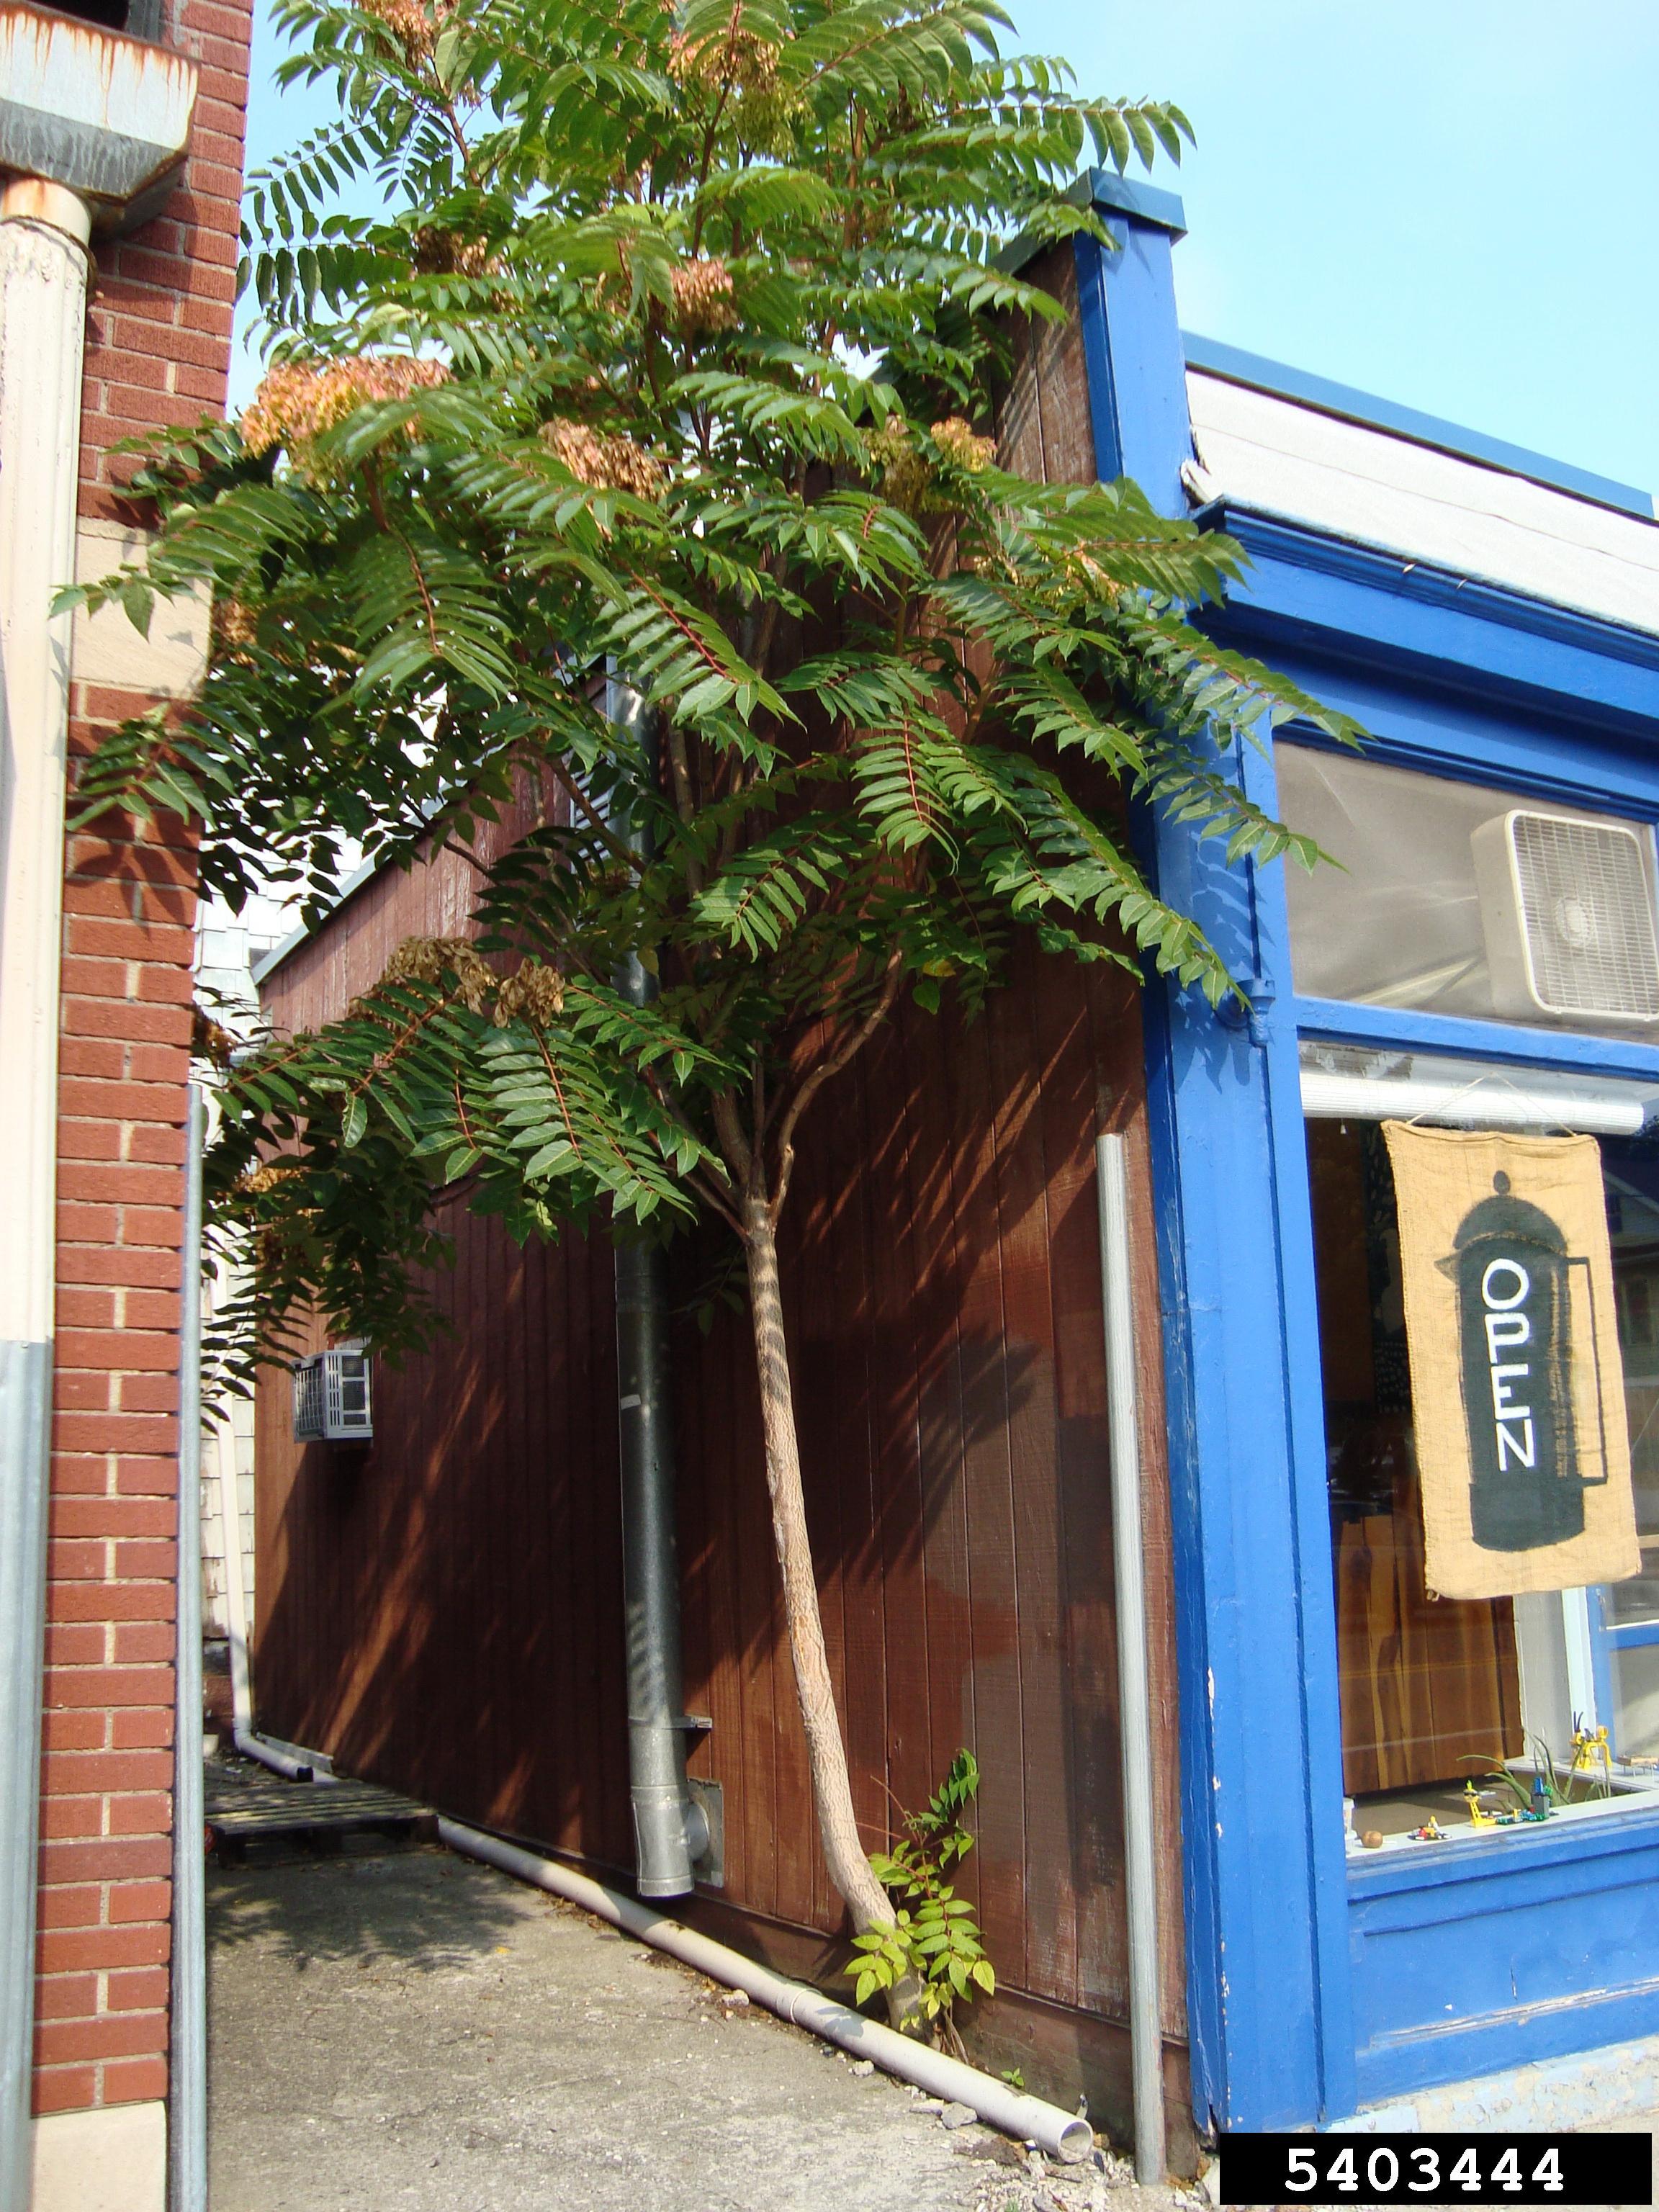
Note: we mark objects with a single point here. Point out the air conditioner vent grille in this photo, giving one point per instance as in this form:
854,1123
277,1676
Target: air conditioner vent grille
332,1399
1588,916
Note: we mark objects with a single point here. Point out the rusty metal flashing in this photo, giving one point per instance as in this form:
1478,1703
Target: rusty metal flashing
104,115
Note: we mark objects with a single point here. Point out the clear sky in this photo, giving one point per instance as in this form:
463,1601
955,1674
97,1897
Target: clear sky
1454,203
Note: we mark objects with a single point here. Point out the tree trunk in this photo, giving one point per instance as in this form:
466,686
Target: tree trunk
844,1855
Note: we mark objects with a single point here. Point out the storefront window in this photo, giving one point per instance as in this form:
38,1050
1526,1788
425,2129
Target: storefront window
1460,898
1461,1713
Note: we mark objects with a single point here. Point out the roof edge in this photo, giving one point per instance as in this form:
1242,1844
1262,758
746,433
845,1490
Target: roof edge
1235,366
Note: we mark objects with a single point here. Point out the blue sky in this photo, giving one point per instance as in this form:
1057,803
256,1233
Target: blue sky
1450,203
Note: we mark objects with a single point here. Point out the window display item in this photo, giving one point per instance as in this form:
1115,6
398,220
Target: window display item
1517,1380
1568,917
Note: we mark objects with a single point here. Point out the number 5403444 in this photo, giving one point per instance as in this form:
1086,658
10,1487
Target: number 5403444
1381,2174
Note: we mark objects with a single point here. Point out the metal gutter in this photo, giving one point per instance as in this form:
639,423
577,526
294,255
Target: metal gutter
671,1829
187,2071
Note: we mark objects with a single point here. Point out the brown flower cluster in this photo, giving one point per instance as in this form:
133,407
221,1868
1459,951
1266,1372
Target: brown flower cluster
439,252
958,443
234,631
905,477
703,294
730,59
299,400
607,461
415,30
427,959
536,993
268,1175
910,477
210,1040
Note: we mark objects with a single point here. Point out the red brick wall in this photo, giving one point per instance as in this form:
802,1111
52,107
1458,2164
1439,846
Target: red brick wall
158,341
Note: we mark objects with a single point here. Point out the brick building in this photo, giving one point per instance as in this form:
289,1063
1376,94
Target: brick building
159,282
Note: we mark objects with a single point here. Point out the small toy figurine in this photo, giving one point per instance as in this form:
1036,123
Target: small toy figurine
1590,1749
1539,1808
1479,1816
1429,1832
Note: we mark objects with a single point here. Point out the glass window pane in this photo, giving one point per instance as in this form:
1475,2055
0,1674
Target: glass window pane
1635,1688
1633,1222
1460,898
1437,1693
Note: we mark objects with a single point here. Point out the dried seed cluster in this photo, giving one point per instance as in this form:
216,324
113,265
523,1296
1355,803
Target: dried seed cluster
416,31
910,477
300,400
608,460
426,960
535,992
961,444
732,58
436,252
703,294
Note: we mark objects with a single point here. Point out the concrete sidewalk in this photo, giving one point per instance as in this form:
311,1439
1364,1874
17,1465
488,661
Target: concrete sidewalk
409,2029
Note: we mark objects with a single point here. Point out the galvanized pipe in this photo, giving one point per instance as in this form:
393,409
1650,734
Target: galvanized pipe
1063,2135
670,1832
1134,1687
44,231
187,2074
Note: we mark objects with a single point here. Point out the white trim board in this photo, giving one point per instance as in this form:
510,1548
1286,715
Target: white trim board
1356,481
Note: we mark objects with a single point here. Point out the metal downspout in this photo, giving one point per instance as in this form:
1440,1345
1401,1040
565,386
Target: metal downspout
187,2073
1134,1687
44,231
670,1831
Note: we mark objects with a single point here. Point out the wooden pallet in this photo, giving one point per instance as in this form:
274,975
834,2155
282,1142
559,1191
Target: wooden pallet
243,1807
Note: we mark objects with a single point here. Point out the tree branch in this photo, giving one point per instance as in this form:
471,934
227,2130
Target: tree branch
739,1158
580,799
852,1042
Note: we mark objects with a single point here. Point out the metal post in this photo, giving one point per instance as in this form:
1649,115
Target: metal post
187,2080
1134,1691
670,1829
44,231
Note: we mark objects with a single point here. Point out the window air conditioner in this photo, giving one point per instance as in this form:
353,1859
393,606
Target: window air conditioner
331,1403
1566,904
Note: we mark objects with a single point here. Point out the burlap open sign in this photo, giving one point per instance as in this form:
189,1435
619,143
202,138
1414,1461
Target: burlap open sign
1517,1387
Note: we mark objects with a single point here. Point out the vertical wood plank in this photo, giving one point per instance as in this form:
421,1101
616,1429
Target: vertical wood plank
1028,1319
989,1506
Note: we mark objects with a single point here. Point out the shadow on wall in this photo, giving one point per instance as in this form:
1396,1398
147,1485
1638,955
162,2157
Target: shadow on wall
443,1611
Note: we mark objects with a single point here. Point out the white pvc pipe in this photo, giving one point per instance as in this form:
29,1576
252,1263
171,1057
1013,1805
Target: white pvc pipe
285,1758
1063,2135
1134,1674
1329,1095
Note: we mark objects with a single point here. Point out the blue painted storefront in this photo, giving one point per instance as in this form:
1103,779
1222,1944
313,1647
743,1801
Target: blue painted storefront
1318,1983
